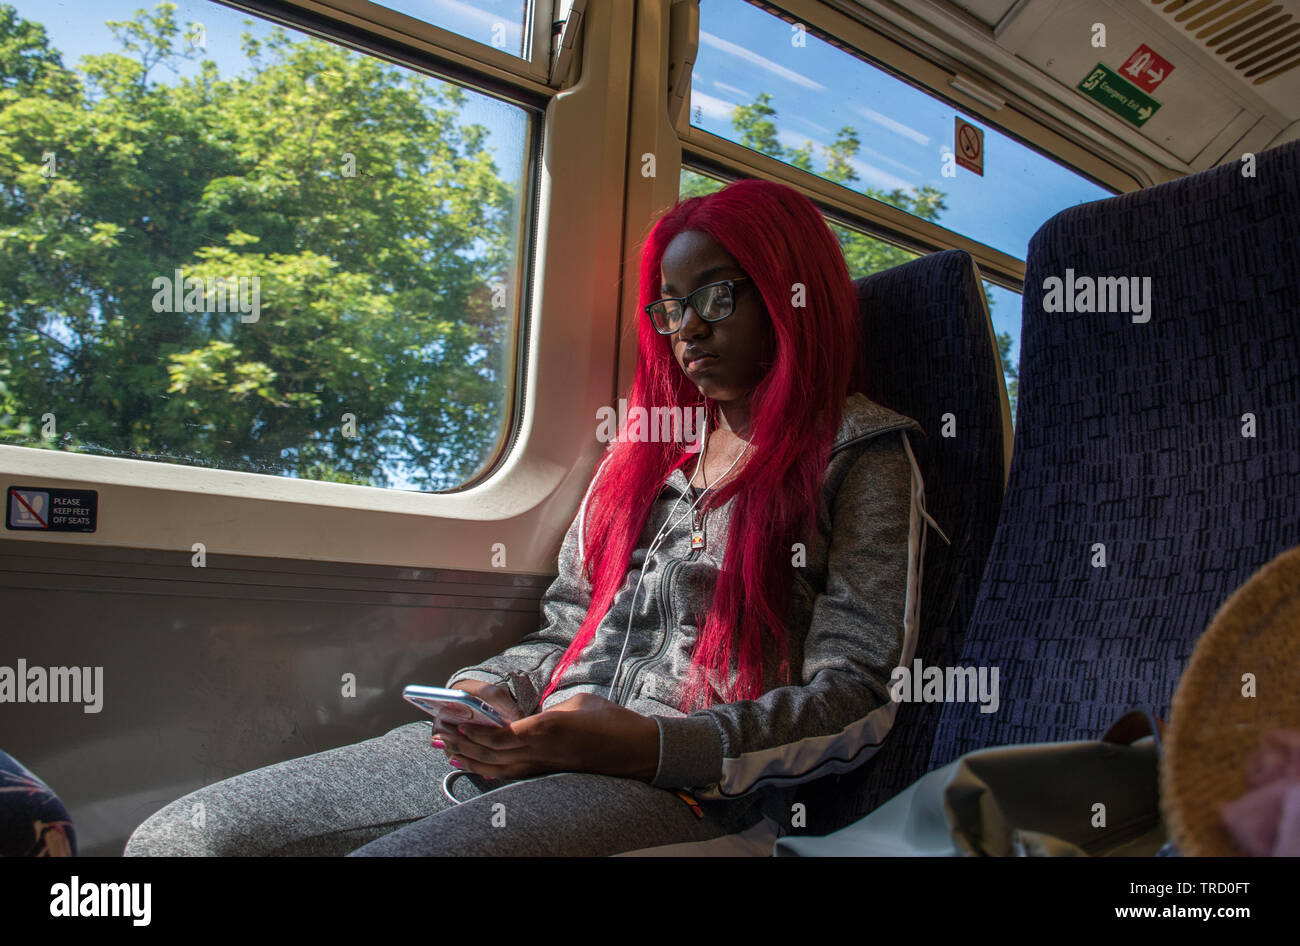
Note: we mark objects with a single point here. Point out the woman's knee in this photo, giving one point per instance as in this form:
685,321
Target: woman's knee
179,829
562,814
327,803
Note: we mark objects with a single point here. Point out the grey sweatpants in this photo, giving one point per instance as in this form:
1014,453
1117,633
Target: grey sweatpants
383,797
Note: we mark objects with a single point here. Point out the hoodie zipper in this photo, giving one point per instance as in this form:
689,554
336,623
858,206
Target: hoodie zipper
665,601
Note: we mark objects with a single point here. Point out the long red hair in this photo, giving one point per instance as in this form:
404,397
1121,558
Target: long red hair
778,237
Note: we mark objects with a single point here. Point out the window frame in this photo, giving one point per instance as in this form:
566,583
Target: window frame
576,359
543,459
705,149
449,49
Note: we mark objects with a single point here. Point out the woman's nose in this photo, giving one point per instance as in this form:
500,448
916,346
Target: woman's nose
692,324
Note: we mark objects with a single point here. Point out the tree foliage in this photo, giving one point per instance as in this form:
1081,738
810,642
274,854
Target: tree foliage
375,222
376,286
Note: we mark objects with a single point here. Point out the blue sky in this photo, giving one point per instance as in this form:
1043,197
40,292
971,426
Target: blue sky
815,88
77,28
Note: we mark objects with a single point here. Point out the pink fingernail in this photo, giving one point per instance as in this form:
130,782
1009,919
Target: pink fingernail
455,763
437,743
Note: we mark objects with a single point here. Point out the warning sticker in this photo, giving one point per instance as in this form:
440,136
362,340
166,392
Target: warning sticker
1145,68
48,509
1122,97
970,146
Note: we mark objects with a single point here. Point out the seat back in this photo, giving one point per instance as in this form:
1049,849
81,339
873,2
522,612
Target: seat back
1157,461
931,355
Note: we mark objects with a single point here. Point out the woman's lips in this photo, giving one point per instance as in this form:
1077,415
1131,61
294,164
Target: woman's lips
696,363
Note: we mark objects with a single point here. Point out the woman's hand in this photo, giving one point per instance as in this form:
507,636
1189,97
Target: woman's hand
587,733
497,697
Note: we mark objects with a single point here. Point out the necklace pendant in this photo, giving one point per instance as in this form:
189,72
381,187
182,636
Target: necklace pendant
697,538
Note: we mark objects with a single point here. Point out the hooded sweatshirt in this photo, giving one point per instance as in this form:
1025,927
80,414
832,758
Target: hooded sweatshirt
853,619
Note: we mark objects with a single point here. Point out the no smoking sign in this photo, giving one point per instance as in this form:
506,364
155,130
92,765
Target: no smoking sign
970,146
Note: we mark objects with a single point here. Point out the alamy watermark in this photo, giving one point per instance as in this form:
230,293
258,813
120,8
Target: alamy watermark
1098,294
103,899
221,294
919,684
24,684
653,425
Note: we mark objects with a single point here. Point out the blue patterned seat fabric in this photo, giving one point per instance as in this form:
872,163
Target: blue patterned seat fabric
929,352
1129,436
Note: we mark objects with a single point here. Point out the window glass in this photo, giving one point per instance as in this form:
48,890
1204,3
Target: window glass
775,87
695,184
228,245
1004,309
495,23
866,254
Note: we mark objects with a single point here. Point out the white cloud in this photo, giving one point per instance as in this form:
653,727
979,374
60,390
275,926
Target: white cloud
872,176
869,174
884,157
712,106
790,139
733,90
740,52
897,127
803,121
455,15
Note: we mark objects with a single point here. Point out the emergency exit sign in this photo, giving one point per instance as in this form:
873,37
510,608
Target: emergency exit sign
1108,88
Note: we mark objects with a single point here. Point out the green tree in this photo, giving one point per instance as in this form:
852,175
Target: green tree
376,224
1010,371
754,125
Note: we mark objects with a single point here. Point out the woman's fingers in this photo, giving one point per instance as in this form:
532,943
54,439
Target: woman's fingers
463,748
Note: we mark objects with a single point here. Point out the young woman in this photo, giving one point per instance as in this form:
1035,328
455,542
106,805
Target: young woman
727,612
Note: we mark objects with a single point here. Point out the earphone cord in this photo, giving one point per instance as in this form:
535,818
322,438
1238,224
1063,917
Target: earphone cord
449,779
663,535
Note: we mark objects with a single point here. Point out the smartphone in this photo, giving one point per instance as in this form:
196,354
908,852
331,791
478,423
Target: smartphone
452,706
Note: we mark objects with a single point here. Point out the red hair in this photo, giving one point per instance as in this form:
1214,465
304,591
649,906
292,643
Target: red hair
778,237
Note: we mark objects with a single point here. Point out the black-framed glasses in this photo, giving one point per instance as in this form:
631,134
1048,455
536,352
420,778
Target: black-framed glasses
712,303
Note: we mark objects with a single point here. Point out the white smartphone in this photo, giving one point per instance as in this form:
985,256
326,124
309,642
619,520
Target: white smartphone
452,706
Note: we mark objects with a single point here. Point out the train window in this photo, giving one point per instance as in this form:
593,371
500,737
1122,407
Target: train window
254,250
499,25
777,88
697,184
866,254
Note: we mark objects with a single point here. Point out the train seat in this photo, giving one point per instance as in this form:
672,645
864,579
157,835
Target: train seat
930,351
1157,454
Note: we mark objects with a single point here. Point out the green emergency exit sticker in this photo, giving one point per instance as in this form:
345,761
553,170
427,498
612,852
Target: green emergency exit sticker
1119,95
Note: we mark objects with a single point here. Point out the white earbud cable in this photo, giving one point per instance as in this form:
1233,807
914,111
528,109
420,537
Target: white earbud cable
656,543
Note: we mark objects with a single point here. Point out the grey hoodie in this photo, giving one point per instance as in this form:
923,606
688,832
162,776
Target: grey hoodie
853,620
